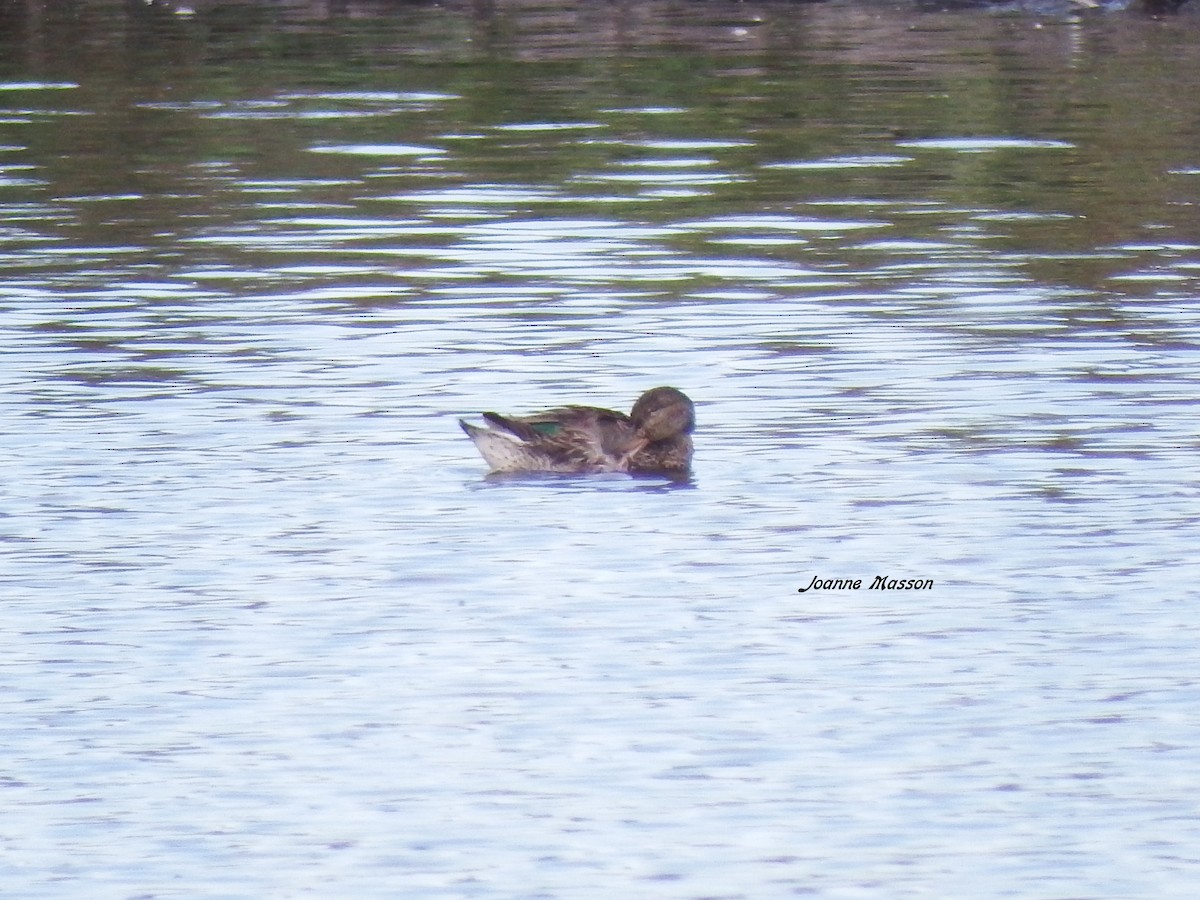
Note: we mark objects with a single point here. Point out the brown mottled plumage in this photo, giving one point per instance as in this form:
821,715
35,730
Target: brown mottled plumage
655,439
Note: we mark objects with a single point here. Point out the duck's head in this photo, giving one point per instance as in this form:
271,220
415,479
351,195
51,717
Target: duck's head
663,413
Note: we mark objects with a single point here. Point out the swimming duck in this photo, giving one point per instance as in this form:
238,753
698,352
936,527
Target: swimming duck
654,439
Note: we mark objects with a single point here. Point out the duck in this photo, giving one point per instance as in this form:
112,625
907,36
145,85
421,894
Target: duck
654,439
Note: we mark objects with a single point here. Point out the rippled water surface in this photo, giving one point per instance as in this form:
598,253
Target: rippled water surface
932,280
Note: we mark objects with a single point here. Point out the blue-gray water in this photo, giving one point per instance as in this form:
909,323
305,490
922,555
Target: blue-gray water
268,630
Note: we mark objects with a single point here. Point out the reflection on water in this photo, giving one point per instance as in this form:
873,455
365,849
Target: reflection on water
272,630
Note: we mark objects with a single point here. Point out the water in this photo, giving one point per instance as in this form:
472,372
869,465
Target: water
270,631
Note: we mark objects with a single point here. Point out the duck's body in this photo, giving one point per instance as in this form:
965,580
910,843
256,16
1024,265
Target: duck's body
655,439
